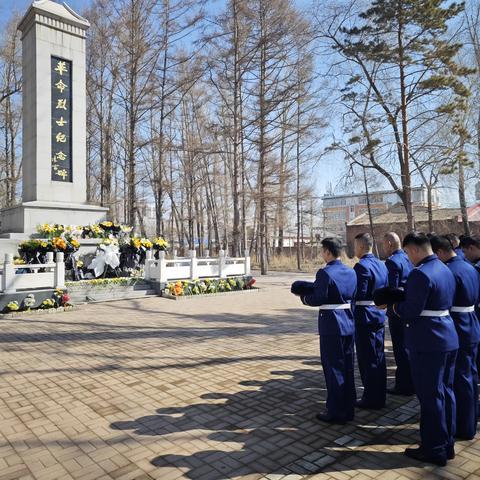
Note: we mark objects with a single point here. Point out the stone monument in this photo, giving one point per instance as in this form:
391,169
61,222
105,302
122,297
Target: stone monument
54,122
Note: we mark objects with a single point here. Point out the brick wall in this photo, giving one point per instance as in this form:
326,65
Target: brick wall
440,227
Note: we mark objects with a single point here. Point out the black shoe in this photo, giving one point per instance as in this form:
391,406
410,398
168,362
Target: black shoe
450,452
325,417
367,406
418,454
403,393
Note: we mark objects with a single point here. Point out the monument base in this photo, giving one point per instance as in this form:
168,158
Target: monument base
23,219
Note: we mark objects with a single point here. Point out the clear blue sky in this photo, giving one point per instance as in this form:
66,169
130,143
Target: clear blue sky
328,172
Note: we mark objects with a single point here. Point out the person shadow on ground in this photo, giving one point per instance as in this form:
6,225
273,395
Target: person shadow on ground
270,427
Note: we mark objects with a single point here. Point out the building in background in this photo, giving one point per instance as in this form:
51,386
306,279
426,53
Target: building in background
445,220
338,210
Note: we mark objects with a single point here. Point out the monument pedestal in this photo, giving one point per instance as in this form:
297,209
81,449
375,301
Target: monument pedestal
22,220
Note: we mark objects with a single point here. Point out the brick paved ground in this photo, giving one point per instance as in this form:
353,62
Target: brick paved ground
203,389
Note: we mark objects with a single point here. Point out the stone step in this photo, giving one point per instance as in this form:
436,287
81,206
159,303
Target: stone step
111,292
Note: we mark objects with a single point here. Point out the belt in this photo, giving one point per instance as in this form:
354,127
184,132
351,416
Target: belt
434,313
470,308
365,303
335,306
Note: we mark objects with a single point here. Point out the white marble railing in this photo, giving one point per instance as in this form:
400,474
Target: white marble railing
13,277
164,270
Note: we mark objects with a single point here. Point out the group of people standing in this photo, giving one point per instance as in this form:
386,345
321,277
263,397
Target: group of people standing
429,289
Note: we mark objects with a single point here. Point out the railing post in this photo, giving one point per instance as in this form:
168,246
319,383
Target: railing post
162,268
59,271
193,264
8,278
221,264
50,257
174,254
247,263
146,270
207,253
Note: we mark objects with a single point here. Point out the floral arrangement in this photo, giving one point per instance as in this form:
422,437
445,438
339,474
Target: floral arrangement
29,301
105,282
60,298
47,303
136,244
130,251
159,244
97,230
34,251
209,285
12,306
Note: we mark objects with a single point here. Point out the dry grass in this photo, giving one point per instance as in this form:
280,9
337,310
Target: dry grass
287,263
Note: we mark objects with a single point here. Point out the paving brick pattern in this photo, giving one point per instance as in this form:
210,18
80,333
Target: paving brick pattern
205,389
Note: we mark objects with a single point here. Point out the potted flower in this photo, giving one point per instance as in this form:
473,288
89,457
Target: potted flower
159,245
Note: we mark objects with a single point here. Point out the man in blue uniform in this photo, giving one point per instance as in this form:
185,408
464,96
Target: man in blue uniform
334,289
455,241
432,343
468,330
370,324
399,267
471,248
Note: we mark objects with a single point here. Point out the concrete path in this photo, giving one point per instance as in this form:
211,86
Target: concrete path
204,389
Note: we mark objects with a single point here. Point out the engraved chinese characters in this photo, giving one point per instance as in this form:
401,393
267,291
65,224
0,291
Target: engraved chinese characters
61,76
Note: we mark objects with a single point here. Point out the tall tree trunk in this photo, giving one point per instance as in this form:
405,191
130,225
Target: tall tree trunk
262,220
406,178
297,192
369,210
430,207
462,198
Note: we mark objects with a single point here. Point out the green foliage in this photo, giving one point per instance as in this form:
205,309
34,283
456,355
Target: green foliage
209,285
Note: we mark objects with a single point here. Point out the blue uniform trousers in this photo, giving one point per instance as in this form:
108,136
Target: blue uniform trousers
403,376
466,391
369,343
337,353
433,376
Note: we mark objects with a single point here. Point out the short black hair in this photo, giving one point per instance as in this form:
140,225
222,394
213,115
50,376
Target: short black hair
453,237
468,241
418,239
441,242
333,245
365,238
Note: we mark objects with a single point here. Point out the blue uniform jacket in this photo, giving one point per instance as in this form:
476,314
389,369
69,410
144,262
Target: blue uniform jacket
430,286
466,294
371,275
334,284
460,253
399,267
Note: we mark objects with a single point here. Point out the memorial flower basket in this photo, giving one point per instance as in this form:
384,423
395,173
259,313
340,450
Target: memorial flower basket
107,258
92,231
133,252
50,231
159,244
34,251
110,228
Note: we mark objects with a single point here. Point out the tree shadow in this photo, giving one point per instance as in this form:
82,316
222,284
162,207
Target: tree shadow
291,321
271,428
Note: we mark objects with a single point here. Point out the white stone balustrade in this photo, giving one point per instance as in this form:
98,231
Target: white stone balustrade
165,270
13,278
